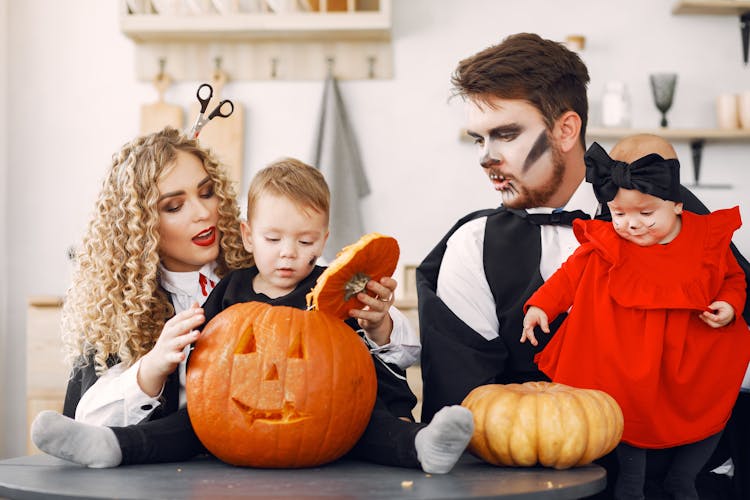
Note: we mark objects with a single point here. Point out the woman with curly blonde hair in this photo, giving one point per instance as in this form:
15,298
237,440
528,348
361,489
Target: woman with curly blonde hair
164,231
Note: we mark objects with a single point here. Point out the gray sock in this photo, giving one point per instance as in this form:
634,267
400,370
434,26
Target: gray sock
90,445
441,443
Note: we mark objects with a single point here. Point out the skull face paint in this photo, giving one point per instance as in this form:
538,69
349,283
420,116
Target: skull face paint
515,151
541,146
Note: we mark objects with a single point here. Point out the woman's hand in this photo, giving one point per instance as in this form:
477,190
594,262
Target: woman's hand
168,352
722,314
534,317
374,318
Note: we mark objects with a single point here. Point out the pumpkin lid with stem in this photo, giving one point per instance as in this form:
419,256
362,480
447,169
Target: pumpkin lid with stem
372,257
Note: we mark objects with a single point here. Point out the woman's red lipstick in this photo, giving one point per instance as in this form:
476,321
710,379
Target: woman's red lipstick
205,238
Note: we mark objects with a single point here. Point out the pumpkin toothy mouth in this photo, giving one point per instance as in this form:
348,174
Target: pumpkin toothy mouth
285,415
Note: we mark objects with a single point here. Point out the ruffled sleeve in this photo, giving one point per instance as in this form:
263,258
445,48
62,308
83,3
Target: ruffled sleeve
732,289
600,235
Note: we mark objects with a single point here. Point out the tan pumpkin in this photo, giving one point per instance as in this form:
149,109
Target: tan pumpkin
545,423
275,386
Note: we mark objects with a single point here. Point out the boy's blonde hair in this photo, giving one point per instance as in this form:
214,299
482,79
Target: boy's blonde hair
115,307
290,178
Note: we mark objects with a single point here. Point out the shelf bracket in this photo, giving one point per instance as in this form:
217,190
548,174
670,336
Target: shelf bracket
696,148
745,32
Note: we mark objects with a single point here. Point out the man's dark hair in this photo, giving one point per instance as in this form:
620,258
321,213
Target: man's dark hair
525,66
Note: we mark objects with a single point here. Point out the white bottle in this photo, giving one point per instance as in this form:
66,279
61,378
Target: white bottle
615,105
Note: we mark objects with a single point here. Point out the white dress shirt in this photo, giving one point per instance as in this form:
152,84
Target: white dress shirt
404,348
462,284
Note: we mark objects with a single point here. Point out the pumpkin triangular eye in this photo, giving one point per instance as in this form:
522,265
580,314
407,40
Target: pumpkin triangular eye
246,344
295,349
273,373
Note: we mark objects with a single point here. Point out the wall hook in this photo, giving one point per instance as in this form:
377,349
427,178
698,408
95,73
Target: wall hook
330,61
274,67
371,67
745,32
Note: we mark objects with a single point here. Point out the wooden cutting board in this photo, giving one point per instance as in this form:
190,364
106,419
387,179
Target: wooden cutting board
157,115
224,136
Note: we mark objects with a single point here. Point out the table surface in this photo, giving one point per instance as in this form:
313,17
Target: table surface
42,476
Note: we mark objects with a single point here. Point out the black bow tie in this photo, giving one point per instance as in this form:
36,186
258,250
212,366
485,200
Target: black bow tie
561,218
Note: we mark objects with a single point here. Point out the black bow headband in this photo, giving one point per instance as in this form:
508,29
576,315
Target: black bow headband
651,174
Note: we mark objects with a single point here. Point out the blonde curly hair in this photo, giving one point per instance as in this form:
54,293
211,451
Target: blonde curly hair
115,307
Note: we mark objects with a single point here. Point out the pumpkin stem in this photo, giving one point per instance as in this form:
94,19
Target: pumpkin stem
356,284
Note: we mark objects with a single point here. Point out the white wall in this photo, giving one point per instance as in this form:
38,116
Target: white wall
3,206
73,101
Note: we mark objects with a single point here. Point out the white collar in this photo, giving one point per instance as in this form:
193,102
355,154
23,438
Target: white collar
583,199
186,284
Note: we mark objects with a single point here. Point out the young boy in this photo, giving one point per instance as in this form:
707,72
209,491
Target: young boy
286,230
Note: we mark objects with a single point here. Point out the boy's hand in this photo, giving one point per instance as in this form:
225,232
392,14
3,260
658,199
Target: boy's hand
167,354
722,314
534,316
374,318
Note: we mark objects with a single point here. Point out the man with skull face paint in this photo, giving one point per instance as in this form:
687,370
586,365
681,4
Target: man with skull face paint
527,111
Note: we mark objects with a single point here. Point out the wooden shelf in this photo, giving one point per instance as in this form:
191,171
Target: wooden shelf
711,7
351,38
261,26
673,134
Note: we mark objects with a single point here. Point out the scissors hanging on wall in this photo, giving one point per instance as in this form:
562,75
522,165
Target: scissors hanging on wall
219,110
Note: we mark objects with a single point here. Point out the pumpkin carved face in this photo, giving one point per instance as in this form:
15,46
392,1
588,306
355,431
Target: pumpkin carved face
275,386
552,424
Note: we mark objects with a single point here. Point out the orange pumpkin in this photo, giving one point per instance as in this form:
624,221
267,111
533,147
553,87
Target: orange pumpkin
372,257
552,424
279,387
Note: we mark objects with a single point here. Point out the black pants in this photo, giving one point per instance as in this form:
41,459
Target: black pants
679,478
387,440
734,444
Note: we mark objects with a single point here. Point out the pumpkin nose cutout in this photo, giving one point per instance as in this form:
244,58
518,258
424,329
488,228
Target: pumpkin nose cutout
273,373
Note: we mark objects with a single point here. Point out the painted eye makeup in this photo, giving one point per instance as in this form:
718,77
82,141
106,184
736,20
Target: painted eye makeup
172,206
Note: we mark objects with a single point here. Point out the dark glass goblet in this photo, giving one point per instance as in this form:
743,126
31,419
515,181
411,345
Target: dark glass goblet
662,86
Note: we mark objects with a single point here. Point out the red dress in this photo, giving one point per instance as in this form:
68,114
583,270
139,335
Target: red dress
633,329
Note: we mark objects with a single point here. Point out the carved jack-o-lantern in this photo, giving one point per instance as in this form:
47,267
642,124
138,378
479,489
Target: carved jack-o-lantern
279,387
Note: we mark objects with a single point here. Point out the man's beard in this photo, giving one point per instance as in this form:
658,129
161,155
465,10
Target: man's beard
539,196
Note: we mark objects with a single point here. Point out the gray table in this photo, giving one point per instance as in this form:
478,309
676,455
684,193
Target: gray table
41,476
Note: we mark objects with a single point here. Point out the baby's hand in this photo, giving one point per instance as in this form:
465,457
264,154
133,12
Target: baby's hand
374,318
722,315
534,316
